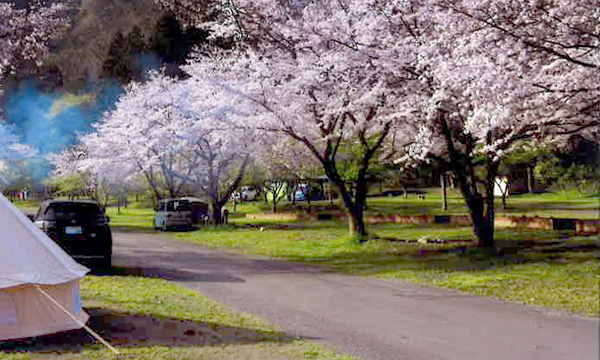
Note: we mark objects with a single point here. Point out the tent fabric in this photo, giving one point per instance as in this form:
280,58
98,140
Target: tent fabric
29,256
26,312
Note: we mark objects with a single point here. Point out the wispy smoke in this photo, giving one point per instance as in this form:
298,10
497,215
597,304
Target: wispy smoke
51,122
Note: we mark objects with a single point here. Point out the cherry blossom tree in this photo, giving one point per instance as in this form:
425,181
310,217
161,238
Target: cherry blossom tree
174,134
491,88
318,84
11,152
559,42
25,33
69,176
461,81
135,138
217,150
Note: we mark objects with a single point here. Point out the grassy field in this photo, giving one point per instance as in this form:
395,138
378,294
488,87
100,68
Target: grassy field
550,204
132,218
154,319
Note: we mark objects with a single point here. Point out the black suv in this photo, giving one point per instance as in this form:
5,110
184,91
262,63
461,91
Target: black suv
80,228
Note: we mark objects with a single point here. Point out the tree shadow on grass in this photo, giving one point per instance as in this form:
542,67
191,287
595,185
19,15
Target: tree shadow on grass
149,229
133,229
457,259
167,274
123,329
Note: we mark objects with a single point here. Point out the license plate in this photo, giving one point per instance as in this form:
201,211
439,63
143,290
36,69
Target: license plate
73,230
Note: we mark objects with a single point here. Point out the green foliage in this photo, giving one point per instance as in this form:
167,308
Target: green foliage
72,184
527,152
350,155
574,176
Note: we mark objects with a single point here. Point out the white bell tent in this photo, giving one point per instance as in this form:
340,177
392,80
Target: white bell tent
39,282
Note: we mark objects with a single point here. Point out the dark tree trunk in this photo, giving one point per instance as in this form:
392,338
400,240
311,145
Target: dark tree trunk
481,209
218,199
356,211
356,224
490,213
293,194
444,193
530,178
354,201
217,219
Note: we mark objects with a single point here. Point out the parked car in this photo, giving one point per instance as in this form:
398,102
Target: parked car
249,193
302,192
80,227
184,212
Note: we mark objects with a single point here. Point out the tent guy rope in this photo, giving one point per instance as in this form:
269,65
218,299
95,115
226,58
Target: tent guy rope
88,329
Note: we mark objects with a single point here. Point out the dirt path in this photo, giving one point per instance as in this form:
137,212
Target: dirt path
370,318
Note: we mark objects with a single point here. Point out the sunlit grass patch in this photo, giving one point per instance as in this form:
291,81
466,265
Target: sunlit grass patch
565,286
131,217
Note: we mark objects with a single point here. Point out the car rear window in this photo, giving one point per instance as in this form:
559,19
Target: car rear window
68,211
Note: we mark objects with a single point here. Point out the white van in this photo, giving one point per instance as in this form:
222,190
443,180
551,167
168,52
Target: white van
249,193
172,213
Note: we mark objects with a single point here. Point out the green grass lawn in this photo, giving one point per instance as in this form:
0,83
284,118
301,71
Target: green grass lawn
131,218
154,319
560,205
544,205
569,282
28,207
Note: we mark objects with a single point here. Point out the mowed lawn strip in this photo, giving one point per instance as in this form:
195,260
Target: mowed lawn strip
155,319
569,283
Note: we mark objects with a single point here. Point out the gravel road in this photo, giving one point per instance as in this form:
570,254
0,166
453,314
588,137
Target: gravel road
372,319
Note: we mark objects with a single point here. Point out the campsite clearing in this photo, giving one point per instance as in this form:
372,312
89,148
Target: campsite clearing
149,318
